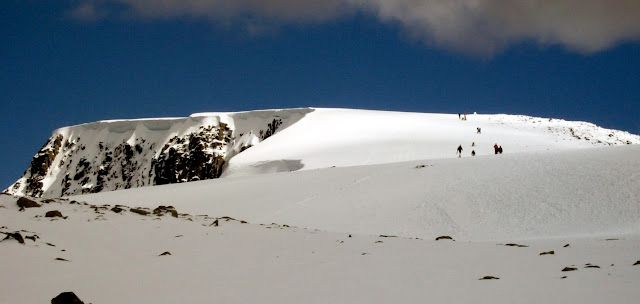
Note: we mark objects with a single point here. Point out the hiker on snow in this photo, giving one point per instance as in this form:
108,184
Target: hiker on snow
460,151
495,148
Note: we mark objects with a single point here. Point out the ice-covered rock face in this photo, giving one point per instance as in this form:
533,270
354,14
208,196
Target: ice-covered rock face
112,155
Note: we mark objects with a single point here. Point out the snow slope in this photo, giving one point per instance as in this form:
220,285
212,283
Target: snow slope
114,258
588,192
346,137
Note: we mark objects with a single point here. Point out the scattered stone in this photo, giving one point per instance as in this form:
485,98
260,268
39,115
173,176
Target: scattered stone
612,239
569,269
139,211
420,166
165,253
61,259
565,246
179,235
48,201
215,223
243,222
364,253
66,298
24,202
489,278
117,209
53,213
376,242
548,252
162,210
32,237
349,235
636,263
444,237
387,236
515,245
52,245
14,235
563,277
589,265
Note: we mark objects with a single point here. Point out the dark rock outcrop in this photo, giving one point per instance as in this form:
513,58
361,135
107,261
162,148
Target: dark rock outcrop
24,202
40,165
195,156
515,245
66,298
444,237
162,210
14,235
53,213
140,211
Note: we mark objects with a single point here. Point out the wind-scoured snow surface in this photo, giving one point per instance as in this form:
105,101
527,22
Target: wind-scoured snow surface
123,154
520,196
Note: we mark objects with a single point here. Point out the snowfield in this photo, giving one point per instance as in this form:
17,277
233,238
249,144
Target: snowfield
498,197
333,206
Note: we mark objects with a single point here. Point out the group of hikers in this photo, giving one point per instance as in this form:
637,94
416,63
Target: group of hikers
497,149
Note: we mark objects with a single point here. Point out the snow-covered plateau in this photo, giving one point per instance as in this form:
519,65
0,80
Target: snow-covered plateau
326,206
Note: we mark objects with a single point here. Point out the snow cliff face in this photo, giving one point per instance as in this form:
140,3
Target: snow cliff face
123,154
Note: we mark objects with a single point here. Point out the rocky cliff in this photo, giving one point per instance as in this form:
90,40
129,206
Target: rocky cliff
122,154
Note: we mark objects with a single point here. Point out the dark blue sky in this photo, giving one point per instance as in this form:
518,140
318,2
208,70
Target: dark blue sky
56,71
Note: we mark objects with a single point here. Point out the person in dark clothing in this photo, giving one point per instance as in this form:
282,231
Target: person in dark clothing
460,151
500,149
459,115
478,130
473,152
495,148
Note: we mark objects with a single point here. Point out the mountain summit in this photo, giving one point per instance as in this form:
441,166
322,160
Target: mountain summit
121,154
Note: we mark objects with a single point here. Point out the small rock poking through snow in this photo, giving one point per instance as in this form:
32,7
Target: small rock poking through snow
66,298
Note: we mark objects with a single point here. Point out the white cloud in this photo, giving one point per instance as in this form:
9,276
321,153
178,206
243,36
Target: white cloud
470,26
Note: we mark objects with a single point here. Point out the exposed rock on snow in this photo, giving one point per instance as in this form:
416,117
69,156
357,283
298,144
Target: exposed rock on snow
489,278
444,237
24,202
13,235
140,211
162,210
53,213
66,298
